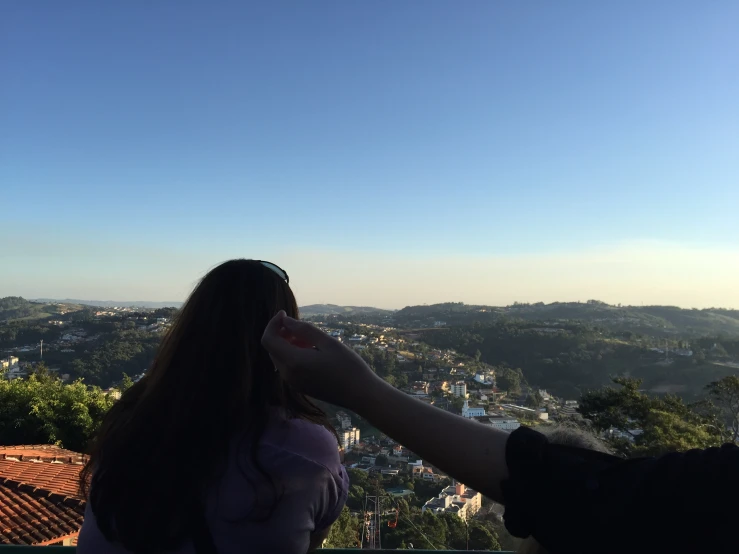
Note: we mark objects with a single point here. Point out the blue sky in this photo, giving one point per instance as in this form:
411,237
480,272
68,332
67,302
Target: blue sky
143,142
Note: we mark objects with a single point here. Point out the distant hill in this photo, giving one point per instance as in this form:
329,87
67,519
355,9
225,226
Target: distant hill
653,320
113,303
15,307
333,309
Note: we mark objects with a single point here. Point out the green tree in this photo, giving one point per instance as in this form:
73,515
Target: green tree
510,380
47,411
401,380
655,425
344,532
725,395
534,400
125,384
482,537
381,460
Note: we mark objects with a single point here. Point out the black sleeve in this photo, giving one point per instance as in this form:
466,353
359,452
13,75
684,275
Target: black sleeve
578,501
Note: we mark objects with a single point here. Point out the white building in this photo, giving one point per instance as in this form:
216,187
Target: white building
9,362
459,389
345,421
537,414
472,411
485,378
500,422
455,499
349,438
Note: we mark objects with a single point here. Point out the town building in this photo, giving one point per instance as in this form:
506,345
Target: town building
459,389
485,378
536,414
344,419
8,363
455,499
349,438
500,422
420,388
472,411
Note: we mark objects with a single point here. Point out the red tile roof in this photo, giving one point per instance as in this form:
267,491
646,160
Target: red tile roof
39,500
41,452
53,477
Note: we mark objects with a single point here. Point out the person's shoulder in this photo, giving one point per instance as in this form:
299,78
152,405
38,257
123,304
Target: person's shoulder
310,441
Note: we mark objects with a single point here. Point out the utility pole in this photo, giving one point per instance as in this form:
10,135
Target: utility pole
371,524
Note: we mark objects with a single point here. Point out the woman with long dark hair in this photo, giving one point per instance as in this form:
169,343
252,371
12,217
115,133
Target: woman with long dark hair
211,451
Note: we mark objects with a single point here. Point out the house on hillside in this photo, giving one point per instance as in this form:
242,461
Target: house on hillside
455,499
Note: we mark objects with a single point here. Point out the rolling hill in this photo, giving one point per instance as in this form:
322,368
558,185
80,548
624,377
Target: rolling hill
113,303
653,320
15,308
333,309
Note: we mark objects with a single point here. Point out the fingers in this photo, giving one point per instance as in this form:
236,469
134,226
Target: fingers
273,339
305,334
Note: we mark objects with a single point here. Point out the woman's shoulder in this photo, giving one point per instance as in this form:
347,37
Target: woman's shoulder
311,441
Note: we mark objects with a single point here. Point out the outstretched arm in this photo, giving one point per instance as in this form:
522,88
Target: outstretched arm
603,503
324,368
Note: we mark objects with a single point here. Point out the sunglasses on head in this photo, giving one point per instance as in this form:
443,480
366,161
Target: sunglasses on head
281,273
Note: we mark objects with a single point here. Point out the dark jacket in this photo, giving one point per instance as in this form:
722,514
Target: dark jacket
579,501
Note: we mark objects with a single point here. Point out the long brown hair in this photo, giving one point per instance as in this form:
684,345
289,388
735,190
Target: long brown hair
167,439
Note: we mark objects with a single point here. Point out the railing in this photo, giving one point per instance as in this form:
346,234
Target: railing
11,549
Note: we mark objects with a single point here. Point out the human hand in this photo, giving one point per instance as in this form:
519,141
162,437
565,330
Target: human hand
316,364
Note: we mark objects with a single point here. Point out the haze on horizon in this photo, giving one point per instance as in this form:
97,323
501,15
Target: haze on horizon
385,154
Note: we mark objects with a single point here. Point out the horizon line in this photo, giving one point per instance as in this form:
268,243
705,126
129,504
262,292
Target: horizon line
177,303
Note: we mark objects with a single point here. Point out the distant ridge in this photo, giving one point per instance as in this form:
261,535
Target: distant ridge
311,310
333,309
111,303
663,320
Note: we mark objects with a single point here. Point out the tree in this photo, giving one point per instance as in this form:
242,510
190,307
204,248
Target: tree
725,395
46,411
125,384
344,532
510,380
477,355
481,537
381,460
648,425
457,403
401,380
534,400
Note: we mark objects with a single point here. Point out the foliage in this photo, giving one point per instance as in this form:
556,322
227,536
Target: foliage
428,531
382,362
510,379
649,425
129,351
26,333
534,400
15,307
724,393
654,320
41,410
344,532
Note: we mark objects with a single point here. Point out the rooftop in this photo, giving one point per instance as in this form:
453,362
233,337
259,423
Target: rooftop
39,498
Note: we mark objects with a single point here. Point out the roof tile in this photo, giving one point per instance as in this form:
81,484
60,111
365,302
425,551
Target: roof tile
39,497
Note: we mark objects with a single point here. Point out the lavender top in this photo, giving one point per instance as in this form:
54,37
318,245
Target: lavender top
302,458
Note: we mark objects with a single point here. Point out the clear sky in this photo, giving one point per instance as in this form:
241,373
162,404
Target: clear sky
384,153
